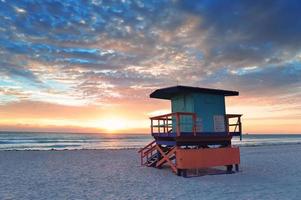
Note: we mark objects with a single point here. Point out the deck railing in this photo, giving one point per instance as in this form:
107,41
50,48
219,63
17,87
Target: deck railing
233,124
164,124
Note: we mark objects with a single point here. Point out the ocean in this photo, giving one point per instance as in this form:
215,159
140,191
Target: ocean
69,141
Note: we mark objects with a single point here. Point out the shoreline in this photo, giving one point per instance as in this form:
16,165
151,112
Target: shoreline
134,148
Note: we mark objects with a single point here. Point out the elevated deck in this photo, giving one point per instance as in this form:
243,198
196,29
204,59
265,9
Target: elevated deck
183,128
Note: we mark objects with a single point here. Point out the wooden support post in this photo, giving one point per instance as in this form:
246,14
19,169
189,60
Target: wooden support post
164,124
179,172
229,168
227,124
194,124
236,167
178,124
240,128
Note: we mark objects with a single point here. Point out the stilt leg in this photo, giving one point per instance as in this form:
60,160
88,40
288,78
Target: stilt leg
236,167
179,172
229,168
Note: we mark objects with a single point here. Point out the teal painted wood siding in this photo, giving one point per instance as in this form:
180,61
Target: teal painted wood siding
206,106
183,103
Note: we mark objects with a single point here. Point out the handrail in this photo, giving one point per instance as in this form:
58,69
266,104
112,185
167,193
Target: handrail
233,115
146,151
164,126
236,125
149,150
171,114
149,144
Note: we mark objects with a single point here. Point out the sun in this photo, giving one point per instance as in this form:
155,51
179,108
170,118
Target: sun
113,124
117,124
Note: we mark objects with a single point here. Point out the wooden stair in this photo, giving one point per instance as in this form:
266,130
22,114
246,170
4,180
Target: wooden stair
153,155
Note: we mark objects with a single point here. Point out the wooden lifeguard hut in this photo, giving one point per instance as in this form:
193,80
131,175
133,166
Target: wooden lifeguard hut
196,134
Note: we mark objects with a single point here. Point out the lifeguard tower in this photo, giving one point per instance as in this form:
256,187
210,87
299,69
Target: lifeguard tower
196,134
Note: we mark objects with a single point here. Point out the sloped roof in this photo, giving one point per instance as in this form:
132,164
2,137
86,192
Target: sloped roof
169,92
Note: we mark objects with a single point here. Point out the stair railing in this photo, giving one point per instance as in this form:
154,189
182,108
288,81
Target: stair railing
147,152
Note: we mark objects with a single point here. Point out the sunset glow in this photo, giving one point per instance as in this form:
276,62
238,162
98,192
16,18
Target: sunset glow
90,66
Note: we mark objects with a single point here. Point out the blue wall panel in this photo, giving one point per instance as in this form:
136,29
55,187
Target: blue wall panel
204,105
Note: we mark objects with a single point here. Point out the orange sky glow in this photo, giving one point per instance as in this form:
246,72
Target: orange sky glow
130,117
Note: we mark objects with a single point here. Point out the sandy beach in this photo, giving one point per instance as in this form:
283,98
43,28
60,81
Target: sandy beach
267,172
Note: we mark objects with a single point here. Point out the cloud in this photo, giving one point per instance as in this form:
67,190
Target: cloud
95,52
275,80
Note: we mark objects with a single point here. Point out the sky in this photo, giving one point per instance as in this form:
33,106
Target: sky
89,66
